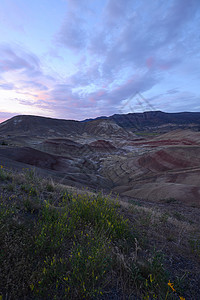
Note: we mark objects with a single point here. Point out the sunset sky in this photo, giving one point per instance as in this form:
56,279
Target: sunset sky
77,59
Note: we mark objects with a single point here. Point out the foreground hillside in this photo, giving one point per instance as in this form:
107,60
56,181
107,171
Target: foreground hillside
58,242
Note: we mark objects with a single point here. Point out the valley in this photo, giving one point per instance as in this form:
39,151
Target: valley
103,155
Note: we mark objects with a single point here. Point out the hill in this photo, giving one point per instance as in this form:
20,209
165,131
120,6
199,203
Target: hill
155,119
101,154
41,126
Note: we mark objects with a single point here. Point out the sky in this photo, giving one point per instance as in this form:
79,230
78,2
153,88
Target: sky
78,59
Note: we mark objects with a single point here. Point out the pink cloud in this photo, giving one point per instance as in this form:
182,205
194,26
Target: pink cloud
165,66
100,93
92,100
150,62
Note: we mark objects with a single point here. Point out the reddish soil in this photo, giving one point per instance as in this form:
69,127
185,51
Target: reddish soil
170,173
32,157
66,142
163,160
165,143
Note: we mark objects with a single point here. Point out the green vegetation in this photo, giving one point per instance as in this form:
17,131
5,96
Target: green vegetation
3,175
57,244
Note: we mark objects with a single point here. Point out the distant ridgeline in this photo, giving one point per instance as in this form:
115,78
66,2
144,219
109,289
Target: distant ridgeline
153,119
148,121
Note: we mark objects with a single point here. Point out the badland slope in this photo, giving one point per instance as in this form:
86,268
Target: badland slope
112,153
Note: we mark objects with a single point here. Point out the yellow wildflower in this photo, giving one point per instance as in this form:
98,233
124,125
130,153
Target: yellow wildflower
181,298
171,286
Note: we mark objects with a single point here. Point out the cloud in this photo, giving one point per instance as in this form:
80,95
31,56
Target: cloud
36,103
73,32
17,59
16,18
126,40
117,10
34,84
102,99
134,48
7,86
173,91
182,101
178,14
114,49
61,92
24,102
43,104
145,30
87,75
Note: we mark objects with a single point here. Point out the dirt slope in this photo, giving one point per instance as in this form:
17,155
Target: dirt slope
173,172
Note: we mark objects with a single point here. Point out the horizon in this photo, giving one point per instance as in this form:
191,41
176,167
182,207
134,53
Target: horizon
40,116
82,59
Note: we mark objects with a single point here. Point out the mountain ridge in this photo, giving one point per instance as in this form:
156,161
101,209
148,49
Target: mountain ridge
134,121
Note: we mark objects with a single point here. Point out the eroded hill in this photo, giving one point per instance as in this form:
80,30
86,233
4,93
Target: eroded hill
101,154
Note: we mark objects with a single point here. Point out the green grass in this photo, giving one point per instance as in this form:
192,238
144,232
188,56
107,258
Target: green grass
74,245
60,245
3,175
